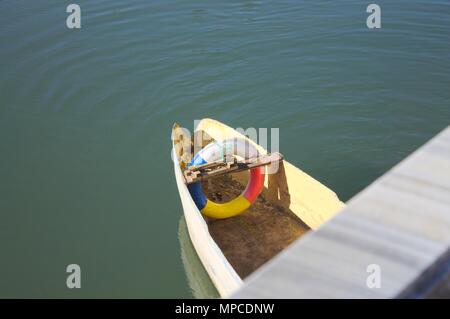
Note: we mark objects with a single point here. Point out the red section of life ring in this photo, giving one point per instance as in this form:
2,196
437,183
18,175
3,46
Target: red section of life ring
255,184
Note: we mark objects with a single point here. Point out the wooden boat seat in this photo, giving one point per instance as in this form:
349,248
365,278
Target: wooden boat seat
203,172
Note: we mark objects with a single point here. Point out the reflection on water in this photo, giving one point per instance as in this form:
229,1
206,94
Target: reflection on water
198,279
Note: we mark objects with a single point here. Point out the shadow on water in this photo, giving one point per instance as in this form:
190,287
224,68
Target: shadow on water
197,277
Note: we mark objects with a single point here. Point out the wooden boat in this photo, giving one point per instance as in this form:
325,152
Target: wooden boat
290,204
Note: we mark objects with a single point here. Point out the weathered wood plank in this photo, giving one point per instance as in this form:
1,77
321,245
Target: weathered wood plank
401,222
206,171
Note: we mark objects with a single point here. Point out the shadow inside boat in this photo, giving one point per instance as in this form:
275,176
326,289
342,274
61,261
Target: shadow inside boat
267,227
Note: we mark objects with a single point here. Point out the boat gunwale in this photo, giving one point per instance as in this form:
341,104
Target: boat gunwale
222,274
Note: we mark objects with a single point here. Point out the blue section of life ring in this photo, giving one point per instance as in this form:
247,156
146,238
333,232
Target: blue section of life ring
196,189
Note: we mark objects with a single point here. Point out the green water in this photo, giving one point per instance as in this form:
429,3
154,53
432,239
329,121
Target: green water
85,118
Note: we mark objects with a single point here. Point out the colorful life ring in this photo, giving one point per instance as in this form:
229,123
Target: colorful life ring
214,152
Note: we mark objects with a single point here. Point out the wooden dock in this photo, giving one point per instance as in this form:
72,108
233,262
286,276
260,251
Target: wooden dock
391,241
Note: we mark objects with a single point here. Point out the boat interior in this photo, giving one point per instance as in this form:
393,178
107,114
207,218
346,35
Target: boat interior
262,231
255,236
